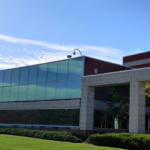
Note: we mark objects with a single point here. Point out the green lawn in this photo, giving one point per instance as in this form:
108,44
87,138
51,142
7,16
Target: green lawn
10,142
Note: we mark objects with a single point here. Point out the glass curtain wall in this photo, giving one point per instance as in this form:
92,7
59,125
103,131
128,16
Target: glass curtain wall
56,80
63,117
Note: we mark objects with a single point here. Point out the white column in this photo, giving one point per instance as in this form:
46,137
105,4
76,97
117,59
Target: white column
137,107
87,109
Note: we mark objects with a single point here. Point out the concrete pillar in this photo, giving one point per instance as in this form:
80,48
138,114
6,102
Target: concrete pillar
87,109
137,107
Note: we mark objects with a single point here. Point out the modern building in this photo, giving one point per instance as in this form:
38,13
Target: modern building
70,94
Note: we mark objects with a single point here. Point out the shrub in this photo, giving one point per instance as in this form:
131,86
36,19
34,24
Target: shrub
43,134
121,140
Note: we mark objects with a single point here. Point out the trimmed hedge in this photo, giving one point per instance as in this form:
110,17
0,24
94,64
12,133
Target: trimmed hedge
122,140
42,134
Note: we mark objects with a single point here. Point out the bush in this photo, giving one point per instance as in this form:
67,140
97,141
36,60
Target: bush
121,140
42,134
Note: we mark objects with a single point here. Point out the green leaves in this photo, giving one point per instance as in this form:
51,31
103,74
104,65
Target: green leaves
118,106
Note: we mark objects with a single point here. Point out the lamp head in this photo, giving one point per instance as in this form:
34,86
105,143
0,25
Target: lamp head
69,56
74,53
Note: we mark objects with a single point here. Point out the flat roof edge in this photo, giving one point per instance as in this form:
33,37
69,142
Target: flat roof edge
134,69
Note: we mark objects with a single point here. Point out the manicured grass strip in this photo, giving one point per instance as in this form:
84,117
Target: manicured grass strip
11,142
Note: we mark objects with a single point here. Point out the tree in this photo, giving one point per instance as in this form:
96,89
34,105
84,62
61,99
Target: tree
118,106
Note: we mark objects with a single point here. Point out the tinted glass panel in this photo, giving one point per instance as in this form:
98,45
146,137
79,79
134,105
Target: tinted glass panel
15,76
7,77
31,92
24,75
41,91
1,89
61,90
66,117
62,70
14,93
42,73
1,77
22,94
52,72
51,90
33,74
75,68
74,89
6,94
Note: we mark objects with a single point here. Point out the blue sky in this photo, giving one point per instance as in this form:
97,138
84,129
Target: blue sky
36,31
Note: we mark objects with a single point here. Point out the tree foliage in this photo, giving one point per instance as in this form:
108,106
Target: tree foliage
118,106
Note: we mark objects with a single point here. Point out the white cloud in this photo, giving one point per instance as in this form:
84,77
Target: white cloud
34,57
85,48
38,43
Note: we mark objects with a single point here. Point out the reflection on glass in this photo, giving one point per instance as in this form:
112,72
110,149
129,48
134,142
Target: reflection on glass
33,74
74,89
15,76
7,77
42,73
24,75
109,122
63,117
61,90
99,119
22,94
52,72
55,76
31,94
75,68
62,70
1,89
14,93
6,94
1,77
40,91
51,90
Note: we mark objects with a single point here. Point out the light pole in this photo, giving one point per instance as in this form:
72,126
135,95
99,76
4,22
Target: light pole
75,52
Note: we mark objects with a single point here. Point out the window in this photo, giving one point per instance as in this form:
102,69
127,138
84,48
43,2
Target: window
15,76
24,75
75,68
6,94
52,72
31,94
74,89
62,117
7,78
62,70
33,74
22,94
1,77
42,73
14,93
1,90
51,90
61,90
41,91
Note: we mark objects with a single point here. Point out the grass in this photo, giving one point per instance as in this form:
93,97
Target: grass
11,142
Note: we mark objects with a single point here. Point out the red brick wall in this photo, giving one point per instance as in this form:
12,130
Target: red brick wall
136,57
102,66
142,65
